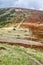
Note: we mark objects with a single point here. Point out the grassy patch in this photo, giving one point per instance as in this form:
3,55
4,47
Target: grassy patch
38,54
14,55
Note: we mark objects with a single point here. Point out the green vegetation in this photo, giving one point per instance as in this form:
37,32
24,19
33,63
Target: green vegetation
12,16
2,11
13,11
16,55
38,54
2,24
4,18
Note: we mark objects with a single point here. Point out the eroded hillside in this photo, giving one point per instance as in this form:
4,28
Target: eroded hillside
21,23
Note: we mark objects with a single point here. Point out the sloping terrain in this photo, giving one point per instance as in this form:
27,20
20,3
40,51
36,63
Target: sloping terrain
21,27
18,55
12,15
22,23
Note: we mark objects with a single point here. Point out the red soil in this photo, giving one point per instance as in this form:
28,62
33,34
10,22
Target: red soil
32,26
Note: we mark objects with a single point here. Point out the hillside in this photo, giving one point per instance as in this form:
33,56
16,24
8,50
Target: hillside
30,23
13,15
21,36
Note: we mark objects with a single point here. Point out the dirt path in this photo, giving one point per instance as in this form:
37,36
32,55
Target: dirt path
20,24
22,42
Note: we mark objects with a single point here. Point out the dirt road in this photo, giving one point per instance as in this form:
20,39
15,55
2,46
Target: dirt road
20,24
22,42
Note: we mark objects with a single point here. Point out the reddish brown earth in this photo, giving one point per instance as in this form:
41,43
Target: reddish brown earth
32,26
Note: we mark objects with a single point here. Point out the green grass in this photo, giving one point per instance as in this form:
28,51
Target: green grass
17,55
38,54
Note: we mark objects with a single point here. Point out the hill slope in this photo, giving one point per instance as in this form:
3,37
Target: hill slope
30,23
12,15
